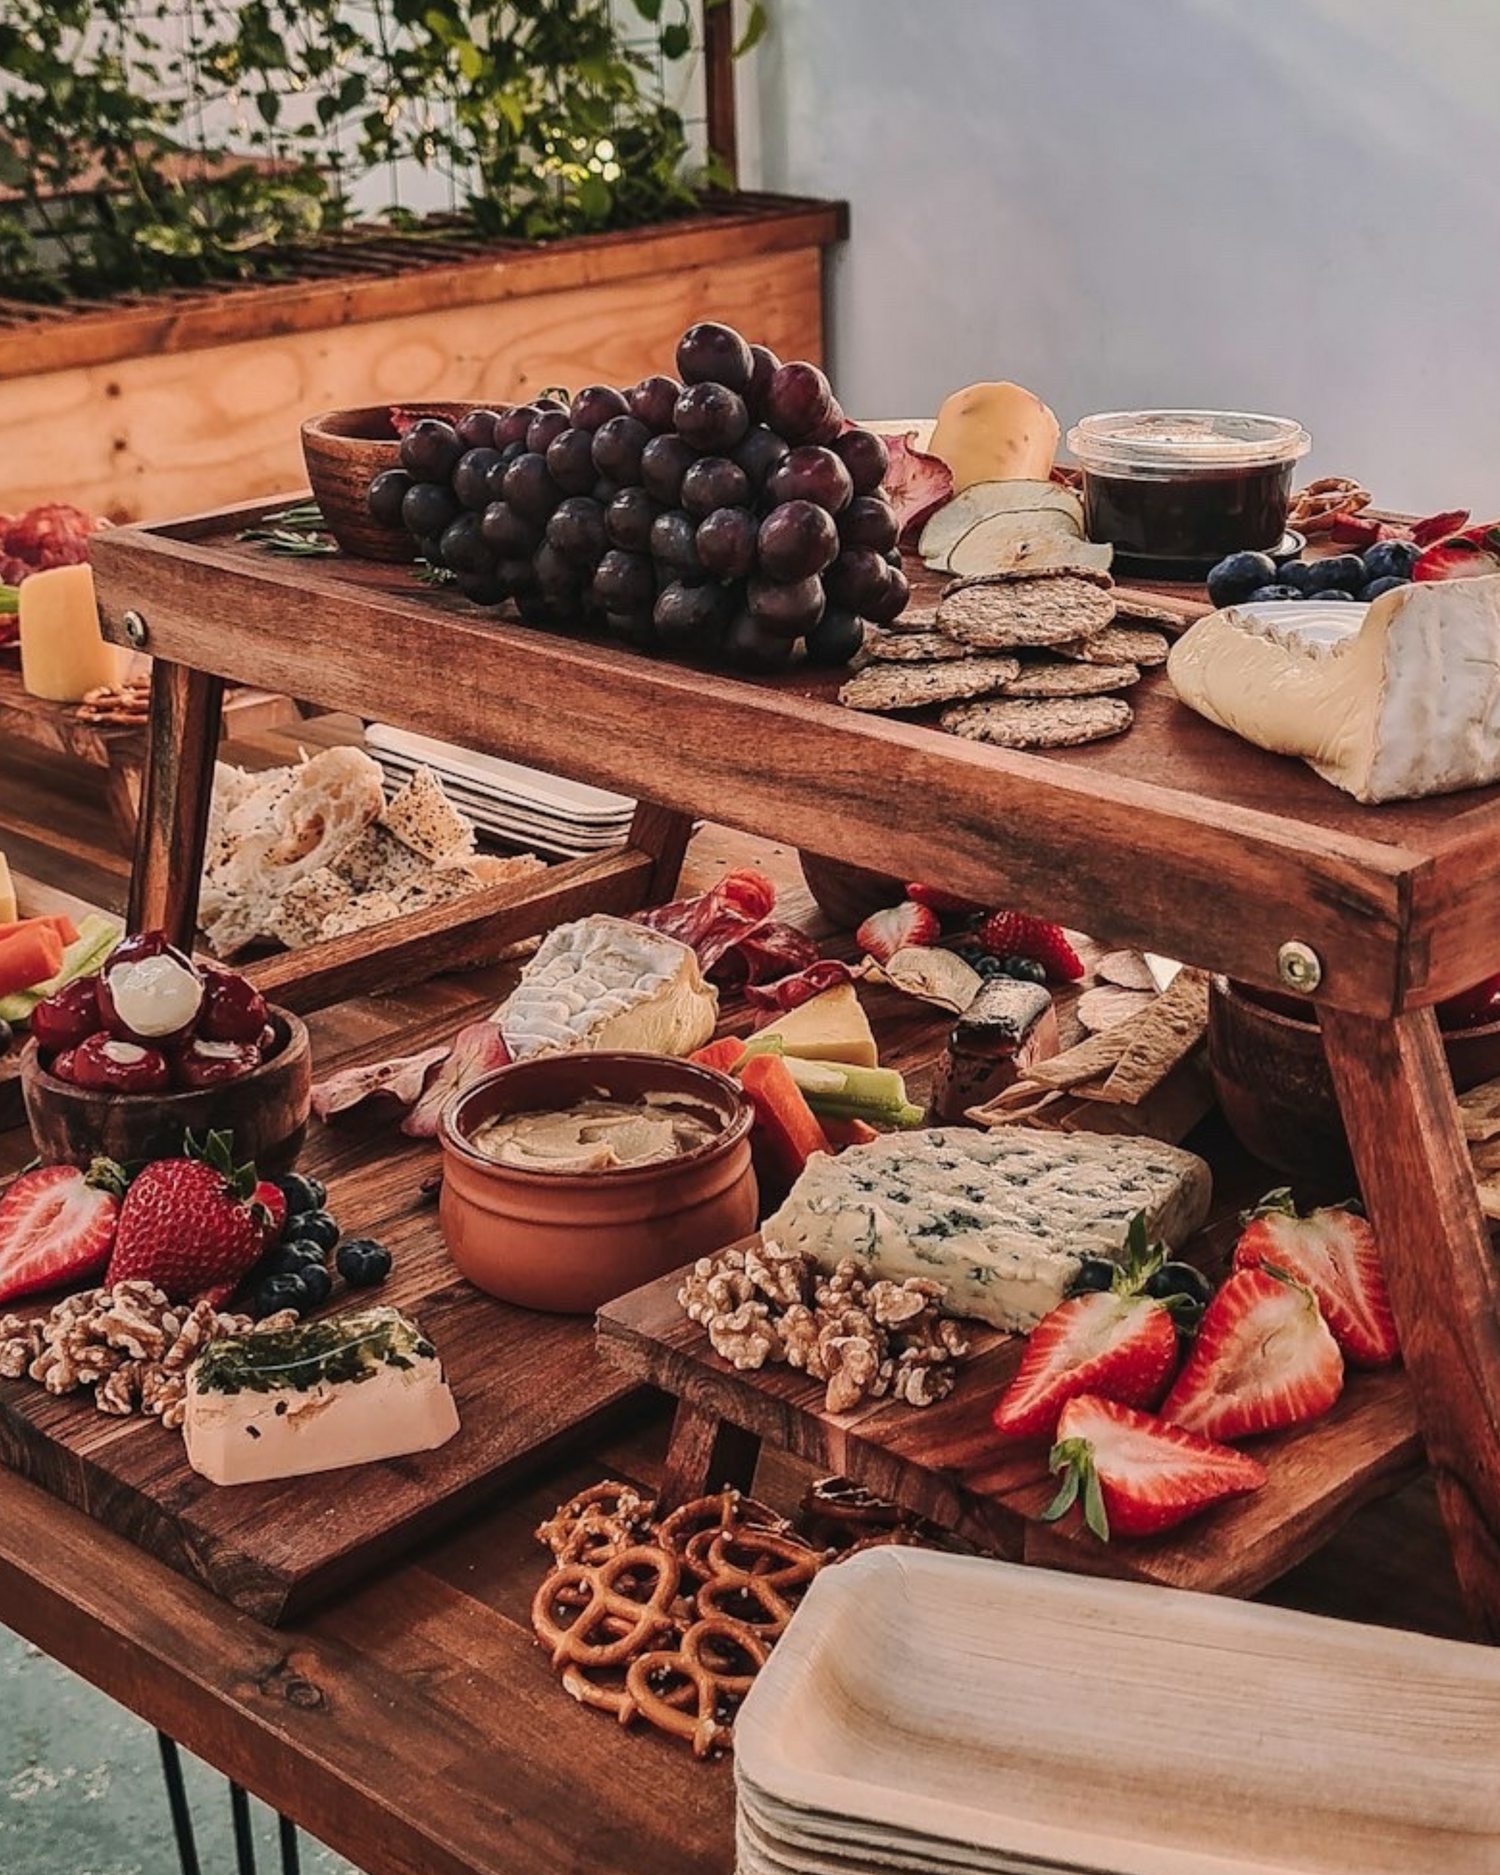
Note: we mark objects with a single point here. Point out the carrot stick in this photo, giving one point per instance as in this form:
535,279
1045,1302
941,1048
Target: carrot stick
789,1126
59,922
30,955
724,1054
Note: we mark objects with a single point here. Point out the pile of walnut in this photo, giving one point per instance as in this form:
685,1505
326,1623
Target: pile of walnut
865,1337
129,1343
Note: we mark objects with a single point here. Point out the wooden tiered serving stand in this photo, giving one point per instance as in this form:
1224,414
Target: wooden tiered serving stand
1175,837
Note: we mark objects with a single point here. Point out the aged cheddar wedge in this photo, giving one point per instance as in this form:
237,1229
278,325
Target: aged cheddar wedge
830,1027
1389,702
8,912
995,433
63,655
345,1391
1003,1218
602,982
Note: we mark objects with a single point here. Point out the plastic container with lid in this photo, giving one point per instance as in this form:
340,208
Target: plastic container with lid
1186,487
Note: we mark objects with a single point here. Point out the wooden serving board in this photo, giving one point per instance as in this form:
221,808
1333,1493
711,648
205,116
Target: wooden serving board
946,1462
526,1385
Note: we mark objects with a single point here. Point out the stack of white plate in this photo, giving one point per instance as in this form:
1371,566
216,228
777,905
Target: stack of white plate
927,1712
513,805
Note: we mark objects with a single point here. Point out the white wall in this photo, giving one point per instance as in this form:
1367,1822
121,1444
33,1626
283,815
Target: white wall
1283,205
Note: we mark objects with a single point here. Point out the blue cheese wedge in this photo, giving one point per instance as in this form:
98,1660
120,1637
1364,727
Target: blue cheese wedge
603,982
1003,1218
345,1391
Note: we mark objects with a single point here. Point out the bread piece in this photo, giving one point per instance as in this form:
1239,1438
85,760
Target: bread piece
423,818
303,909
378,862
497,869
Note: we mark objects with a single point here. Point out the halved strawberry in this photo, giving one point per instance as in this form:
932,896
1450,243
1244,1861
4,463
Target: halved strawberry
884,933
1332,1252
1466,555
57,1225
1264,1358
1137,1474
946,904
1018,934
1436,526
272,1201
1120,1347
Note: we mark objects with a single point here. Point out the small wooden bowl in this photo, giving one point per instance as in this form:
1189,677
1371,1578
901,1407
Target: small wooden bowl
267,1111
344,451
1272,1080
847,895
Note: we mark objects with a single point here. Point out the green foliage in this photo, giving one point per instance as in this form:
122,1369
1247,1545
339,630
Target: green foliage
143,162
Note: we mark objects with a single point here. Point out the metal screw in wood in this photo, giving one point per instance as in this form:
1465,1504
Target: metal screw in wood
1299,966
136,629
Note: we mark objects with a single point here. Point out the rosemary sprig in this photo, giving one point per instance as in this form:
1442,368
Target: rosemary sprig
296,531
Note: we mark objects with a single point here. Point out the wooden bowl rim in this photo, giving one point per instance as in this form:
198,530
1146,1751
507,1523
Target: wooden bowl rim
1232,994
331,426
298,1047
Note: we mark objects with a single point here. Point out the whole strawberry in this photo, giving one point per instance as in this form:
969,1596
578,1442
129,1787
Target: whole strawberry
190,1225
1018,934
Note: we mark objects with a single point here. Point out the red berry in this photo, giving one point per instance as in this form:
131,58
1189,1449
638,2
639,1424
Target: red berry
886,932
68,1016
233,1009
1018,934
108,1066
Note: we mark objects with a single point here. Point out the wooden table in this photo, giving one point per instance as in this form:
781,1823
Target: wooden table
413,1724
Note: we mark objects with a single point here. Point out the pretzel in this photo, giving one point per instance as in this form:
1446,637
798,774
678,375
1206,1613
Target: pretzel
630,1620
1314,509
599,1521
724,1510
761,1578
849,1506
655,1682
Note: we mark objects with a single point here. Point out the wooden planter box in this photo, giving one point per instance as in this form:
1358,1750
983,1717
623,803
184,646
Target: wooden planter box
151,407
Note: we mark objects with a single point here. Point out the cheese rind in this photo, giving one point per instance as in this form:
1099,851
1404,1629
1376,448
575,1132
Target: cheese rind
1389,702
1004,1218
346,1391
830,1027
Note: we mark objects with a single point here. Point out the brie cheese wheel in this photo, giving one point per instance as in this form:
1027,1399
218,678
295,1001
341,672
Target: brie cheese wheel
1389,701
605,983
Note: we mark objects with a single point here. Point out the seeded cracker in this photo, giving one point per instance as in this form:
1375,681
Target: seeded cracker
1020,723
1051,679
1009,615
919,616
1116,644
934,647
913,686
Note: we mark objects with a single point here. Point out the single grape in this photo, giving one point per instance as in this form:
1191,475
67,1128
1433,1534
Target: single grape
386,494
543,427
570,461
652,402
664,462
482,588
832,426
430,449
476,428
508,535
835,638
750,646
686,611
865,456
636,629
726,542
462,548
494,475
471,477
809,473
427,508
890,603
593,406
674,542
528,487
714,482
618,445
764,365
758,454
624,582
514,424
510,451
515,577
711,417
796,541
576,530
798,401
628,518
558,578
857,580
715,354
791,609
868,521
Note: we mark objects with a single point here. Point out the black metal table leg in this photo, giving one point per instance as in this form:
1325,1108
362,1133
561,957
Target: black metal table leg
244,1842
239,1809
290,1861
182,1819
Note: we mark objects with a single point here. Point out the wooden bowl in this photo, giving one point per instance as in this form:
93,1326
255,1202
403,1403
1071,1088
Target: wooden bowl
847,895
267,1111
567,1242
344,451
1272,1080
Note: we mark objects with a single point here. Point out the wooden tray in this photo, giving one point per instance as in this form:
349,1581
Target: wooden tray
946,1463
526,1384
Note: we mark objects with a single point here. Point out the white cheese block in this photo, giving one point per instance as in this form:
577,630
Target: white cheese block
1389,701
345,1391
605,983
1003,1218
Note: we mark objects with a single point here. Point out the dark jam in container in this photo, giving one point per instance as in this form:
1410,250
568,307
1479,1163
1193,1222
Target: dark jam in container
1187,486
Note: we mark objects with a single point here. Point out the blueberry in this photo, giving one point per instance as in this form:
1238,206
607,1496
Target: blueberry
1265,595
1337,594
318,1227
1391,559
1237,577
290,1259
1295,573
1344,570
1376,587
302,1194
317,1282
1024,969
1179,1279
280,1292
1092,1275
363,1262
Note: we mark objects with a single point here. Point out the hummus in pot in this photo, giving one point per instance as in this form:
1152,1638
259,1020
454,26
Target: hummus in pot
595,1136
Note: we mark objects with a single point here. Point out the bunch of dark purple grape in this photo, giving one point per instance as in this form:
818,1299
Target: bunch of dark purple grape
731,514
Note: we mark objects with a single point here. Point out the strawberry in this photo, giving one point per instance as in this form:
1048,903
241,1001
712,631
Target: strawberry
946,904
190,1225
1466,555
1018,934
272,1200
57,1226
1332,1252
1138,1475
1436,526
1264,1358
884,933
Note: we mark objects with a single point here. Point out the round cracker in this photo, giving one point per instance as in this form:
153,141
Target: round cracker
934,647
1052,678
1024,723
1117,644
914,686
919,616
1010,614
1003,575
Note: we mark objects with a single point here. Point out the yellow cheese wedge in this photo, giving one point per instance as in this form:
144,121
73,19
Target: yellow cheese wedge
995,433
8,912
63,655
830,1027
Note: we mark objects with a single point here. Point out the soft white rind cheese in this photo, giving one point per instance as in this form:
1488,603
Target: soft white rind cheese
1399,700
604,983
1003,1218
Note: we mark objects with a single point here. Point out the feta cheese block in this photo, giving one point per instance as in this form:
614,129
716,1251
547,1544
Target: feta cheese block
1390,701
603,982
1004,1218
345,1391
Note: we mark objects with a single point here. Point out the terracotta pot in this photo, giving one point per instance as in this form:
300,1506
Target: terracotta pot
569,1242
267,1111
344,451
1273,1083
